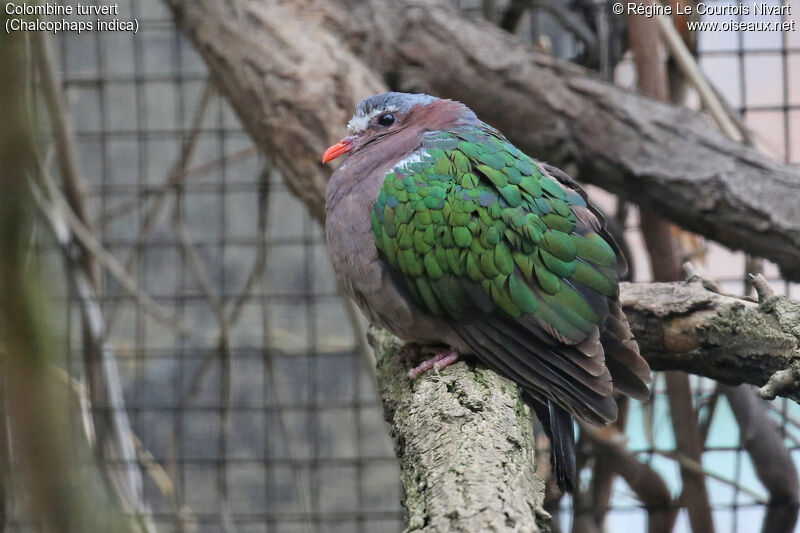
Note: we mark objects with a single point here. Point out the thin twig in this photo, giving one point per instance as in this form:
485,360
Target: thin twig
56,496
191,174
112,426
53,203
64,139
698,468
200,274
692,72
145,458
303,490
118,442
173,179
761,285
223,342
705,425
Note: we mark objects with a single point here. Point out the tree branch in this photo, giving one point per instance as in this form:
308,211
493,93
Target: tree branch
684,326
445,424
292,95
465,443
648,485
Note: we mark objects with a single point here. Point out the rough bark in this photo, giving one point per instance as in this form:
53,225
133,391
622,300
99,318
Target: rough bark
294,96
684,326
465,443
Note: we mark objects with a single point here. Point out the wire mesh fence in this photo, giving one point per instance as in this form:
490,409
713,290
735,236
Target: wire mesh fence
251,403
255,401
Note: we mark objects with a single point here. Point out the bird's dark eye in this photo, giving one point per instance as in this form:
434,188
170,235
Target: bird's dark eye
387,119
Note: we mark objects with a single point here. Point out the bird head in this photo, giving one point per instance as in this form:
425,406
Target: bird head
385,115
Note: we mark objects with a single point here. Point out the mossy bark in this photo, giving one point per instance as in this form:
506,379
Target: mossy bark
464,439
463,435
685,326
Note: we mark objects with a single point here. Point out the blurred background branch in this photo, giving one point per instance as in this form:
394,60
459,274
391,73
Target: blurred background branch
62,496
663,243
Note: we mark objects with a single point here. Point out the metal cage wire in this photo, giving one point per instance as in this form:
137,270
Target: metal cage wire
263,413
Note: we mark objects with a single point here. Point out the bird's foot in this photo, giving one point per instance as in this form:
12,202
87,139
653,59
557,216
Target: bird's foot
437,362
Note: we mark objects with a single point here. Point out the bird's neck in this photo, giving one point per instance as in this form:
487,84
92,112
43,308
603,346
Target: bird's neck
364,171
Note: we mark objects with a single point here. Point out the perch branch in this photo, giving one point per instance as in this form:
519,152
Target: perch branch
680,326
465,443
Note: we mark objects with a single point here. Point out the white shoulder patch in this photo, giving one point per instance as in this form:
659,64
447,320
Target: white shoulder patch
413,158
359,121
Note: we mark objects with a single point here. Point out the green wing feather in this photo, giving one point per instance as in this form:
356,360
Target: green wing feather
486,238
475,221
516,261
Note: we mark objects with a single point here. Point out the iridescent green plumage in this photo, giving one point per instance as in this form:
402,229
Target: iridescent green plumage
475,224
487,252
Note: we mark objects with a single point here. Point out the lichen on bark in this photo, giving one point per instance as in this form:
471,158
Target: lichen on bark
685,326
464,439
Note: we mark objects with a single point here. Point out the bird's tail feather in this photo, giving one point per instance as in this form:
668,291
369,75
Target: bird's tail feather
628,368
557,424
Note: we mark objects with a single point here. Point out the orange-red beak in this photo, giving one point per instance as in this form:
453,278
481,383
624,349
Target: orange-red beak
342,147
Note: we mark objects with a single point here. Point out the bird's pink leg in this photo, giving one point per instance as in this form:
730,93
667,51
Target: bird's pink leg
437,362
